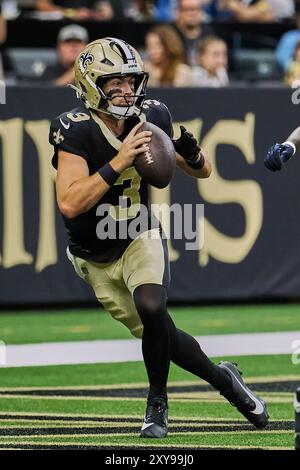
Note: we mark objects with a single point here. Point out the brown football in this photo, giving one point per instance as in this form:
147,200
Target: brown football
158,165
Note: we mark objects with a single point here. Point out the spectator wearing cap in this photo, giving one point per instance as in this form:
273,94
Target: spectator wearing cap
71,40
101,10
213,63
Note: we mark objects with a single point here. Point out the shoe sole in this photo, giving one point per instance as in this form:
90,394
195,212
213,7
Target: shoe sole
151,435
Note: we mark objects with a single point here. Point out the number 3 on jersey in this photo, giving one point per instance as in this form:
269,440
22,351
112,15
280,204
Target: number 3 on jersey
132,193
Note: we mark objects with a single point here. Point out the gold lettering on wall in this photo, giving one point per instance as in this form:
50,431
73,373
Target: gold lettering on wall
14,253
194,126
246,193
215,190
47,248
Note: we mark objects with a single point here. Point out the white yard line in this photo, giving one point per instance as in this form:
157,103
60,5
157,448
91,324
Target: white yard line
90,352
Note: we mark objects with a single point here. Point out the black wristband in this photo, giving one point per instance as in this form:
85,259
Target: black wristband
109,175
197,164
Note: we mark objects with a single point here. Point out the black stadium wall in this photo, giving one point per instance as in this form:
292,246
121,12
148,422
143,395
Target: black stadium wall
251,220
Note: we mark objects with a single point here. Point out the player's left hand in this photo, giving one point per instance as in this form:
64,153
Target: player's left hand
277,155
187,146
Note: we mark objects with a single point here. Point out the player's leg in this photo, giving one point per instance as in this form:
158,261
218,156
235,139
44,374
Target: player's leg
185,351
106,279
150,301
112,292
148,263
225,377
187,354
145,273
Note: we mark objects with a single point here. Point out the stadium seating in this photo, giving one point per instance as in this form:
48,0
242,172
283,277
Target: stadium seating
30,62
255,65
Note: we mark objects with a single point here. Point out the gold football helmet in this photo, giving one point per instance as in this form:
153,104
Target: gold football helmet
104,59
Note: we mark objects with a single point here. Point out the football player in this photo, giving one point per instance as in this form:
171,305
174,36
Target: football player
95,146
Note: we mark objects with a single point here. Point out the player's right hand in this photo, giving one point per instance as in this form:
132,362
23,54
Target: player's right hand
134,144
277,155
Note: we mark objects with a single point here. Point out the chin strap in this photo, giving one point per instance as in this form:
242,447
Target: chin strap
79,94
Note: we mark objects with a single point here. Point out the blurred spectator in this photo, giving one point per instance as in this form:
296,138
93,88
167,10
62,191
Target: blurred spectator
165,10
7,70
3,32
287,45
293,72
215,12
213,63
70,42
165,58
79,9
10,9
189,18
139,10
258,11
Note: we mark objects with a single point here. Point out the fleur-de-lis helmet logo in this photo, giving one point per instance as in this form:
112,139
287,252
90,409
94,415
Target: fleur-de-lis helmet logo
58,137
84,60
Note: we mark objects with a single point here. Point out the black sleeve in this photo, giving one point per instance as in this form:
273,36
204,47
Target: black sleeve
69,136
159,114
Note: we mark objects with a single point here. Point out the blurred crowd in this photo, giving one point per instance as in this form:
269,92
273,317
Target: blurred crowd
166,10
180,50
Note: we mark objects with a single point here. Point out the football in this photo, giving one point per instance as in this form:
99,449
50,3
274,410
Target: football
158,165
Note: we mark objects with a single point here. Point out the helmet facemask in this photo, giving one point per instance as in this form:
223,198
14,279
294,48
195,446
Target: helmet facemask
134,101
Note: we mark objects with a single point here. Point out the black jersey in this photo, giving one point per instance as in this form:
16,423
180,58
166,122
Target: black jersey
81,132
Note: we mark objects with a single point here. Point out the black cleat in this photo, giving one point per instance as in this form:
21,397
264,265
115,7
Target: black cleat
240,396
156,419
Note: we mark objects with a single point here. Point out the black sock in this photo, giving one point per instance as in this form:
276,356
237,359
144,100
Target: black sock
163,342
187,354
150,301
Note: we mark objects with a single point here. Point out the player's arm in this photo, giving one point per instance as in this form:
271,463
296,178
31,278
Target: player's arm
294,138
189,156
281,153
203,172
77,191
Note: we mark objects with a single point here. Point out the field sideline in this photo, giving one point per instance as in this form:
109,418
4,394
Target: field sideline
102,405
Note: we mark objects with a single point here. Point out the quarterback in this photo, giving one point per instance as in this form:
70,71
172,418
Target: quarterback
95,146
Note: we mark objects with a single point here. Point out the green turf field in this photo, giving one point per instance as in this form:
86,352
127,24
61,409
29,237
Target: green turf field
102,405
76,325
